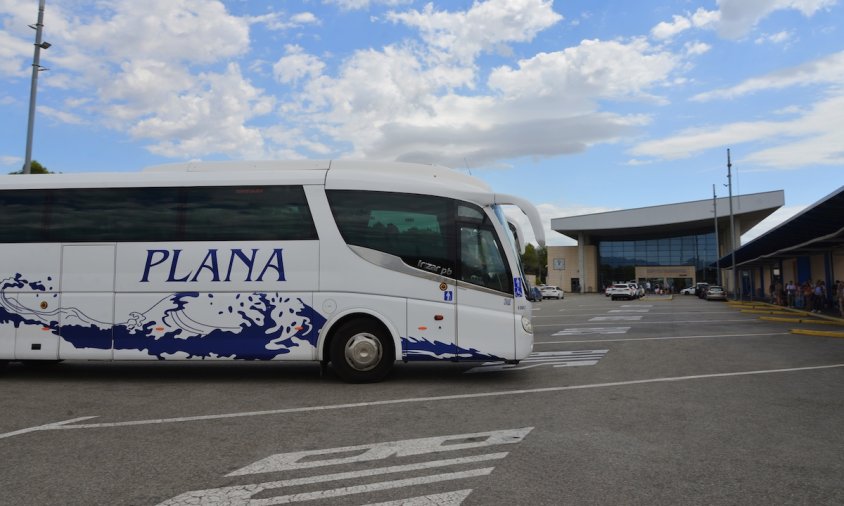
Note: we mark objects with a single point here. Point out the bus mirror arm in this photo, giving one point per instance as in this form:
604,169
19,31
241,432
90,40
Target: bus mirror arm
529,210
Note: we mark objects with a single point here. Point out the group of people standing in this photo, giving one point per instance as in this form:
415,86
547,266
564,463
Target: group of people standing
811,297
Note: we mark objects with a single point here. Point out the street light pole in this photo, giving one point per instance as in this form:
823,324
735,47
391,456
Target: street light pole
36,68
732,228
717,244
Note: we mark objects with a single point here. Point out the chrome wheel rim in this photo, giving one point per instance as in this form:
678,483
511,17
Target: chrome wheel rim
363,352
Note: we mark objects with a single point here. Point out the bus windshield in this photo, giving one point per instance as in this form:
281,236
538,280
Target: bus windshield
511,240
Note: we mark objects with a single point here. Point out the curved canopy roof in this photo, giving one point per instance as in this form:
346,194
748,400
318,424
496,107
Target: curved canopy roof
816,229
670,219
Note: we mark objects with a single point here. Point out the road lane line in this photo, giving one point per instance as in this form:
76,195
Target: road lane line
659,338
651,322
48,426
329,407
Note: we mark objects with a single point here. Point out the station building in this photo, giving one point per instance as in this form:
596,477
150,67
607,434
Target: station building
677,245
671,246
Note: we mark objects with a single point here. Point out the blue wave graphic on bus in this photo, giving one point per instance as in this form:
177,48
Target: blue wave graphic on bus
237,326
423,349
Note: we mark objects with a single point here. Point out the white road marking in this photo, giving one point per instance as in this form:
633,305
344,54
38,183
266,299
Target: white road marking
630,310
241,494
305,459
48,426
392,450
590,330
661,338
745,320
356,489
447,499
637,305
615,318
412,400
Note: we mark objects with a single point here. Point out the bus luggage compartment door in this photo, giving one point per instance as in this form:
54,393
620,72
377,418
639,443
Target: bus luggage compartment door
87,286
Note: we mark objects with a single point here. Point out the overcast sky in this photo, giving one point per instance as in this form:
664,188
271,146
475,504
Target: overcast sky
580,106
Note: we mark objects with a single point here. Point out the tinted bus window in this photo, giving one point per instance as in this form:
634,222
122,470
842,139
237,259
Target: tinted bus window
156,214
114,214
263,213
417,228
22,216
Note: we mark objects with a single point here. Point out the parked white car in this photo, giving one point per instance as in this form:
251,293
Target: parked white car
623,291
552,292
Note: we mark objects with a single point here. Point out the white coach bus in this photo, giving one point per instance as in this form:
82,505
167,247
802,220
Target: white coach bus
356,264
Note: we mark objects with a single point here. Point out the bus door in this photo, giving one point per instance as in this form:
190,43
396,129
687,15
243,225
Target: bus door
431,324
87,284
485,305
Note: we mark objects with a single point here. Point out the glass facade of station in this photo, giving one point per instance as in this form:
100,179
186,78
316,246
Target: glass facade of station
617,260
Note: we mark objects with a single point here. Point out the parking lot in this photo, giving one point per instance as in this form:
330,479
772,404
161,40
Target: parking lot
651,401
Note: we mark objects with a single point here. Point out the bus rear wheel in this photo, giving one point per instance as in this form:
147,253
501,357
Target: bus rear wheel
361,352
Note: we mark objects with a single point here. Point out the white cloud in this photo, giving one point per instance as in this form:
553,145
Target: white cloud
61,116
279,21
11,161
774,38
186,31
738,17
208,117
666,30
296,65
596,69
776,219
481,28
352,5
696,48
158,70
547,212
398,103
815,137
14,52
826,70
701,18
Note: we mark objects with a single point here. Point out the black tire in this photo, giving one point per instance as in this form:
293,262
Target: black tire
361,352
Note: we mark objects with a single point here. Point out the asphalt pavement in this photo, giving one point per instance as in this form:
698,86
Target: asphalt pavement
653,401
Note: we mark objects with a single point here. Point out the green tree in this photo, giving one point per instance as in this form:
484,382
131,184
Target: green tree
34,168
529,259
542,264
535,261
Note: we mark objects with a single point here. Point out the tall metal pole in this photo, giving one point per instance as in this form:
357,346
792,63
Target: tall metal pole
736,287
717,244
36,67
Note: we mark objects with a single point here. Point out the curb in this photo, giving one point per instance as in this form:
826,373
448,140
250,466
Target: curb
822,333
798,320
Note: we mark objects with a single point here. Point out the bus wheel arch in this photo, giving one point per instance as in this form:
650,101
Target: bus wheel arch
360,347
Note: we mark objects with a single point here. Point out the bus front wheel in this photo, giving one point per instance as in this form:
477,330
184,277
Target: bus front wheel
361,352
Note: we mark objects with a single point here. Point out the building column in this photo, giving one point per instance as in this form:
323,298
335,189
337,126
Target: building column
581,263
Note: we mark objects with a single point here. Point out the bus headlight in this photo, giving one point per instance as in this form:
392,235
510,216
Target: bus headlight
527,325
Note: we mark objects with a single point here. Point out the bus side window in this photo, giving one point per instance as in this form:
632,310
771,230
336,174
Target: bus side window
417,228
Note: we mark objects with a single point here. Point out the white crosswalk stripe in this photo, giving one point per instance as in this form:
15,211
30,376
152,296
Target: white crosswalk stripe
615,318
591,330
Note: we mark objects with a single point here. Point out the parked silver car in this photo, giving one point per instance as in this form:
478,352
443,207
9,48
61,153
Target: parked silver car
715,293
